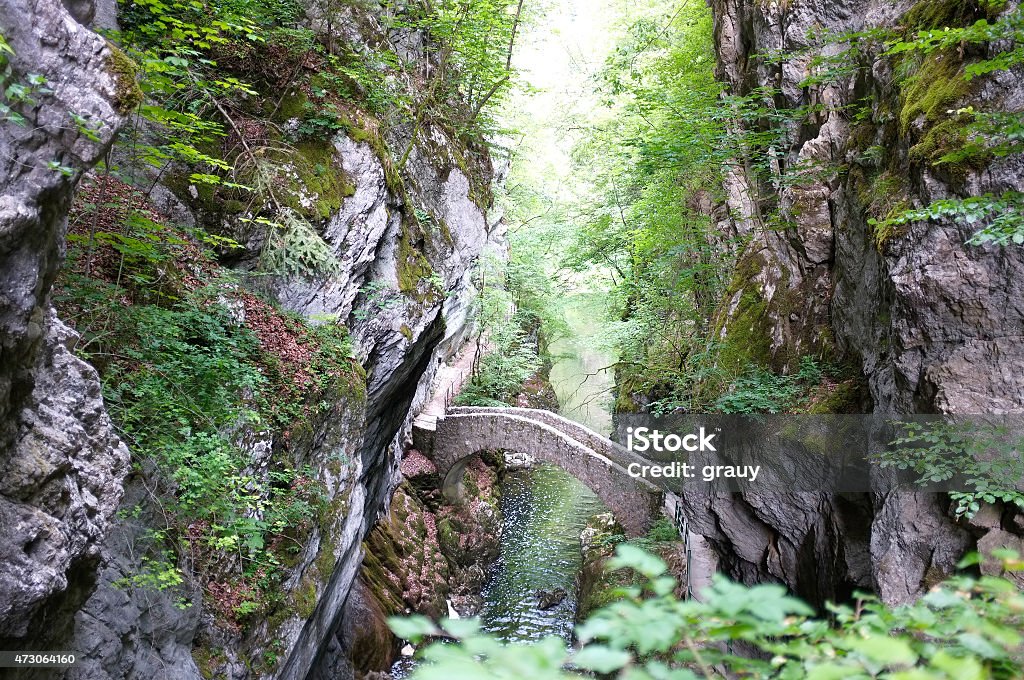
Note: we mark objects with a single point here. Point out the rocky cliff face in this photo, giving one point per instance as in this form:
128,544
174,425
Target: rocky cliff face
61,463
933,323
405,245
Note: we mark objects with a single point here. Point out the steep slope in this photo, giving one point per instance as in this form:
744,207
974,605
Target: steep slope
336,355
932,321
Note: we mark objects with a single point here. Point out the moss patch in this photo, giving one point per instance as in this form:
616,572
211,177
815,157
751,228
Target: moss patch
936,87
414,270
951,136
304,598
748,332
127,94
318,179
846,397
293,105
883,197
748,328
930,14
208,660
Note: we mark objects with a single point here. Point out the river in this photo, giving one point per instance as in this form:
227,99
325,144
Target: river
544,508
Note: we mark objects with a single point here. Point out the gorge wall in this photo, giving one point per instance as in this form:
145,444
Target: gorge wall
404,243
60,459
932,324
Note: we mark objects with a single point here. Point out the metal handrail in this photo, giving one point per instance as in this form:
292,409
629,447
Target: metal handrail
683,526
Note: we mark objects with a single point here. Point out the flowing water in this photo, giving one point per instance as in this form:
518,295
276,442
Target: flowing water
545,508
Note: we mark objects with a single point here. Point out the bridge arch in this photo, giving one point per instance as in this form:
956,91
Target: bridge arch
462,433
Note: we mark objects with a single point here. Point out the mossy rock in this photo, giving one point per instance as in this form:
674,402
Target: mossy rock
127,94
208,659
748,329
366,132
293,105
847,397
935,88
884,197
747,334
304,598
414,270
318,177
325,559
949,137
880,194
374,575
931,14
448,541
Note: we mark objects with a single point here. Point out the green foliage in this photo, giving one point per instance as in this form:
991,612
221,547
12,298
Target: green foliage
471,43
984,456
997,133
662,531
188,99
966,627
320,122
935,87
1002,216
502,371
1007,30
293,246
656,167
184,380
760,391
177,398
938,86
511,358
159,572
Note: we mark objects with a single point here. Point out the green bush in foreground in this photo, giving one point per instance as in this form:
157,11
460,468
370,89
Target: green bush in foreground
964,629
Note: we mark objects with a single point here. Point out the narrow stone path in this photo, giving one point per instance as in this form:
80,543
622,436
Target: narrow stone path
448,382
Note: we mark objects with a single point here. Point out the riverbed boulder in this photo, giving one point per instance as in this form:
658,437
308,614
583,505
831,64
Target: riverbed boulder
549,599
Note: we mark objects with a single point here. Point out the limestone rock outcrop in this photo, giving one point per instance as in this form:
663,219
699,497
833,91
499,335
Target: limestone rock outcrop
405,245
933,322
61,463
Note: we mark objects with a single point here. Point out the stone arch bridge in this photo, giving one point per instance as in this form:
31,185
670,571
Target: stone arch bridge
453,438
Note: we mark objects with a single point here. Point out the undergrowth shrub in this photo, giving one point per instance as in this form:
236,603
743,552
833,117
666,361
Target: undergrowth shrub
192,366
967,627
761,391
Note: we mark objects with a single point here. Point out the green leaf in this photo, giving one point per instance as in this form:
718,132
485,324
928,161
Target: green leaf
961,668
831,671
461,628
884,650
631,557
969,560
979,645
412,628
600,659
